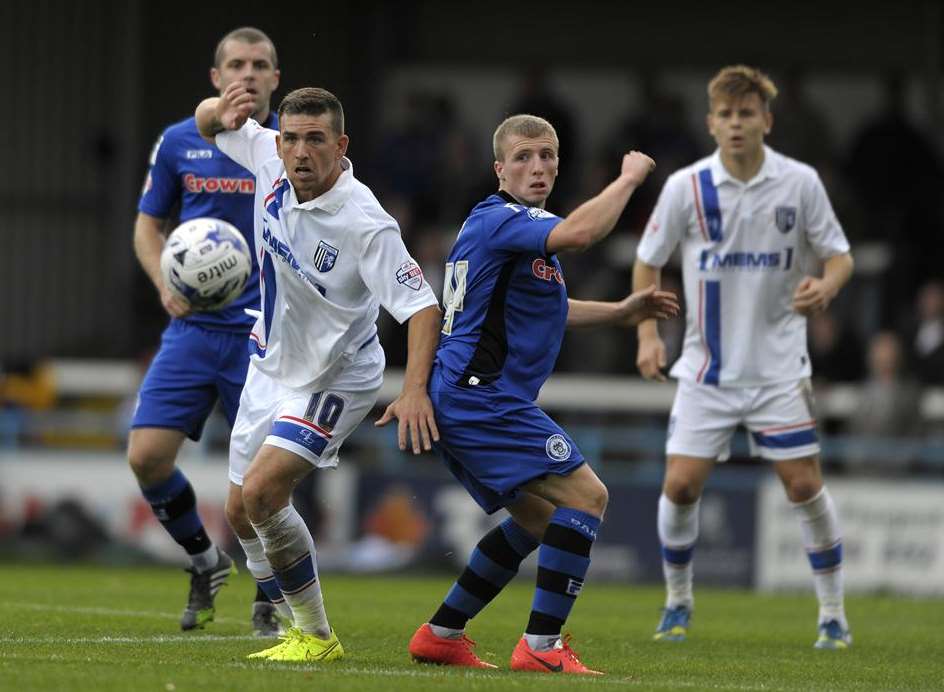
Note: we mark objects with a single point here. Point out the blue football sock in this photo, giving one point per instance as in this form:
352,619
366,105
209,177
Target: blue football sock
493,563
563,560
175,506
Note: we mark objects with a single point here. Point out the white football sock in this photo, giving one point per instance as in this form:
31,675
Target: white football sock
261,570
542,642
678,531
445,632
205,561
820,524
290,551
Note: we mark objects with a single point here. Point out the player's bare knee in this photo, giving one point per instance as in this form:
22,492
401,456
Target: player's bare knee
149,466
600,498
593,499
237,517
257,498
681,490
801,489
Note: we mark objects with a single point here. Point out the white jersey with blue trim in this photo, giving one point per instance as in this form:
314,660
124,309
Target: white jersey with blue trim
326,266
744,249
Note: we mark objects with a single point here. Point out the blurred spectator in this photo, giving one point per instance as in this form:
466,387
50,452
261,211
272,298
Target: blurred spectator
460,162
834,351
429,250
926,336
406,167
658,127
537,98
394,531
888,411
889,160
27,385
800,129
897,175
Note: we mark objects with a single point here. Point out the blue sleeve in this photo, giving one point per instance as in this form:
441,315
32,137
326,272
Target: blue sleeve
526,230
162,185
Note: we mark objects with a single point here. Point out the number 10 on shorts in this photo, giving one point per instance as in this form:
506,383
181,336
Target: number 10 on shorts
329,411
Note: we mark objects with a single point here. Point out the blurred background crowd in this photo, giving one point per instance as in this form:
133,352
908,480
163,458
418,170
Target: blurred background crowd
424,84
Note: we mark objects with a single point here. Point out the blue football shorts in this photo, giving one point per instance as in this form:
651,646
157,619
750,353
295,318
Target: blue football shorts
192,369
494,442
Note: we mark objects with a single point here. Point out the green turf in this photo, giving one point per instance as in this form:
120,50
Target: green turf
94,628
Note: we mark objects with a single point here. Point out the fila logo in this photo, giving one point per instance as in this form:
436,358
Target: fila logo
545,271
574,586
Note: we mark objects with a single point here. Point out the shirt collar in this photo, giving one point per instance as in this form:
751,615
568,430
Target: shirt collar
770,168
332,200
272,122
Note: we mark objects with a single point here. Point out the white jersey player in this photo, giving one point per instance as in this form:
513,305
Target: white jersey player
329,256
752,226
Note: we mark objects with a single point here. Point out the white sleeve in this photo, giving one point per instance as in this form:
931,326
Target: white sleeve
823,230
666,226
394,277
250,146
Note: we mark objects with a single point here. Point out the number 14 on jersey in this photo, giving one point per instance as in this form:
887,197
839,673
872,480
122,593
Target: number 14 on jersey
454,292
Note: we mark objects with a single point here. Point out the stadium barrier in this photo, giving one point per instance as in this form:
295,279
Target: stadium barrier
417,516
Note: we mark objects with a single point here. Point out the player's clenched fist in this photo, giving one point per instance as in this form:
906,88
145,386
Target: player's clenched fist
636,166
234,107
650,358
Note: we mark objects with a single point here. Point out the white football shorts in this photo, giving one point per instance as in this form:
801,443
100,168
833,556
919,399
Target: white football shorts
779,418
311,423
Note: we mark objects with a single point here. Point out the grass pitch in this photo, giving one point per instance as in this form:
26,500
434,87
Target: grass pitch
96,628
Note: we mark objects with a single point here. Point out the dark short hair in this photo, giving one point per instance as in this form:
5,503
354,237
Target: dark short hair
314,101
246,34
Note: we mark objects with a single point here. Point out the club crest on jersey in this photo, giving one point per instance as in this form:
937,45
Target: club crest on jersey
786,218
538,213
325,257
410,275
557,447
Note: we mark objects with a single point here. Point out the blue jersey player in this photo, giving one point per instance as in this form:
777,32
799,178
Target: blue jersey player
203,356
506,308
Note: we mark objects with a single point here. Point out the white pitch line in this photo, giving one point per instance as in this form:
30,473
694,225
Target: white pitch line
156,639
485,676
115,612
428,674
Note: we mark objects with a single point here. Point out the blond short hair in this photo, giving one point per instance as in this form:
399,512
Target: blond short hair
736,81
522,125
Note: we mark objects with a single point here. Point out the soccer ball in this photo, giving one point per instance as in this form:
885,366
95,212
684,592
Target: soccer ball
206,262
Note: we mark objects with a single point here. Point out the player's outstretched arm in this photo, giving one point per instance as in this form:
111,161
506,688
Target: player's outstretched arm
814,295
413,409
228,111
650,357
647,304
148,244
594,219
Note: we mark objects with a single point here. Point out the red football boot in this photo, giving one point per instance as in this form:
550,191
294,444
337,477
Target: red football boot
426,647
557,660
